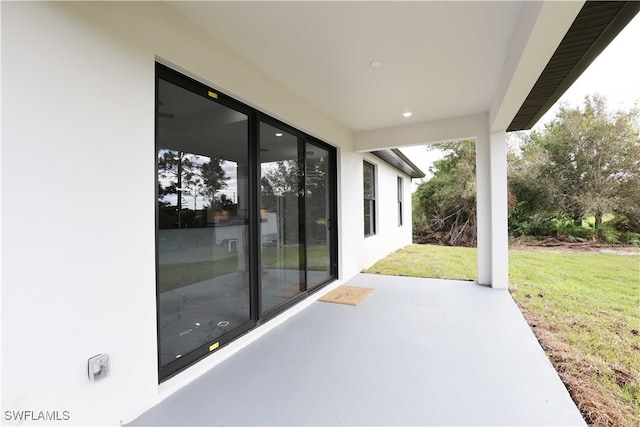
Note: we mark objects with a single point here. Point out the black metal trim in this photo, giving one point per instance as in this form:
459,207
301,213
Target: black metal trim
333,168
156,217
400,196
254,217
374,228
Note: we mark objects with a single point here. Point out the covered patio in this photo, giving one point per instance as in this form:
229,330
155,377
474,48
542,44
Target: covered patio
86,86
414,352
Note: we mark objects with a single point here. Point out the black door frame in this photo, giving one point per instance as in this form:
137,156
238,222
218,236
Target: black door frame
254,118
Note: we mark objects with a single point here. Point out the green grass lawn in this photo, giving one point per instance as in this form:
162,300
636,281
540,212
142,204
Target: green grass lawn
583,307
442,262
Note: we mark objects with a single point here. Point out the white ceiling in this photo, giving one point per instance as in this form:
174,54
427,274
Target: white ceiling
441,59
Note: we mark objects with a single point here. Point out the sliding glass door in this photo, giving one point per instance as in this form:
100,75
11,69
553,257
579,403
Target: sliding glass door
203,246
245,218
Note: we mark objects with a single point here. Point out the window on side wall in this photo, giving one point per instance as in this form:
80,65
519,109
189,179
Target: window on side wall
369,182
400,201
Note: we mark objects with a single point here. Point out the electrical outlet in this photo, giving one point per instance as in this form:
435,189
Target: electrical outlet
98,367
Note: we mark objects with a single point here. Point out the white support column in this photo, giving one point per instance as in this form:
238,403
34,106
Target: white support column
483,207
499,211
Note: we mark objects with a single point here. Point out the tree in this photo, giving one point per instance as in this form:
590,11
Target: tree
584,162
183,174
280,193
316,199
213,178
177,171
445,205
279,179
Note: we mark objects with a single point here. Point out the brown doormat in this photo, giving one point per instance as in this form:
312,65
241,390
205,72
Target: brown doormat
349,295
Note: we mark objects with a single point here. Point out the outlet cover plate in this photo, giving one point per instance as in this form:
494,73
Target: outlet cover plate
98,367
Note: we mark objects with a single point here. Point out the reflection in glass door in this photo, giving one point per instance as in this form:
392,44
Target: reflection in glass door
203,266
281,225
318,215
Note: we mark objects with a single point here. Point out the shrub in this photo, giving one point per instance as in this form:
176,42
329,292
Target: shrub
567,229
535,225
607,234
632,238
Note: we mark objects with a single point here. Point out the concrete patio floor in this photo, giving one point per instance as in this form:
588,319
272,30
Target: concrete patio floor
414,352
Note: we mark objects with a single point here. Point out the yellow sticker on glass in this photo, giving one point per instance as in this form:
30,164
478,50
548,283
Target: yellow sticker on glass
214,346
213,95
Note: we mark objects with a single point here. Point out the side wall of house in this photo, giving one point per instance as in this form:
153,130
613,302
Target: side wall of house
389,235
78,259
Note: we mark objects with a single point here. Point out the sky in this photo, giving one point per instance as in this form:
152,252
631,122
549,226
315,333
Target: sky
615,74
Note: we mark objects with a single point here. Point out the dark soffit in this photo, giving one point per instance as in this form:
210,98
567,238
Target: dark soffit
596,25
395,158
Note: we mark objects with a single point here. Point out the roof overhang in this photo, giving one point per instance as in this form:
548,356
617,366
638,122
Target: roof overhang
395,158
596,25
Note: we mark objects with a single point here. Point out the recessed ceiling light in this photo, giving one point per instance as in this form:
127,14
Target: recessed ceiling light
407,114
279,134
376,63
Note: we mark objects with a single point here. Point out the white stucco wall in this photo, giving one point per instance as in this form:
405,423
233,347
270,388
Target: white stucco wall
78,258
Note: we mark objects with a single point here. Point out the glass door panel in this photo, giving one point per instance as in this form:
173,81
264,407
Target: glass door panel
203,269
230,253
318,214
281,219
